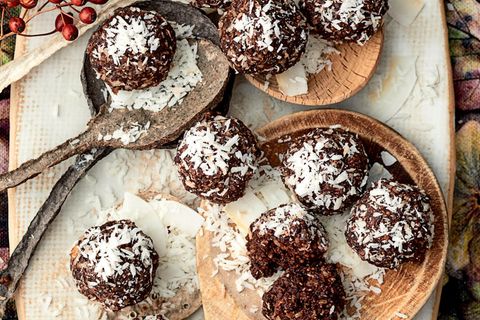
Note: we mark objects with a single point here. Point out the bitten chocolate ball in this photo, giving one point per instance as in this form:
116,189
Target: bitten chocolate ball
306,293
134,49
215,4
114,264
392,223
326,169
339,20
217,158
285,237
263,36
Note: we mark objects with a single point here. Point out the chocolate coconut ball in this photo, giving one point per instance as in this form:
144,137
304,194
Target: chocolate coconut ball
339,20
285,237
217,158
114,264
392,223
326,169
134,49
263,36
306,293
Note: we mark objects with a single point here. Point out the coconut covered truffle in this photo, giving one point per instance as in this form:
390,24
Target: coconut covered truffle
114,264
326,169
285,237
217,158
134,49
263,36
345,20
392,223
307,293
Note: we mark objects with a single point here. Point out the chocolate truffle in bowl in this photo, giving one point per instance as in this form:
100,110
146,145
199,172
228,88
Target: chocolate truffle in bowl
307,293
114,264
263,36
349,20
132,50
326,169
285,237
391,224
216,158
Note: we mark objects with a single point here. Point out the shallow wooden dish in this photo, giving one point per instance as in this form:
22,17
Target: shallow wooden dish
351,71
404,291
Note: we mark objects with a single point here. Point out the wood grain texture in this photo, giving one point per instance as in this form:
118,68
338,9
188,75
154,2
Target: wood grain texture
405,290
351,71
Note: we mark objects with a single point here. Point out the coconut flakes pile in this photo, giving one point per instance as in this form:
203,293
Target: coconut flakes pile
126,137
182,78
233,253
315,58
177,268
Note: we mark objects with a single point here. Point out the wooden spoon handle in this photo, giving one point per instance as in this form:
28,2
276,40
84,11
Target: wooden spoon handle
20,257
31,168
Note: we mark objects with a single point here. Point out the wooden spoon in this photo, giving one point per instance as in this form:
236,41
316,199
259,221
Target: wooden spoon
351,71
405,290
163,126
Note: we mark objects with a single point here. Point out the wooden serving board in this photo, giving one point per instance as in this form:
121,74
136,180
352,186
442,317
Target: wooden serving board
411,92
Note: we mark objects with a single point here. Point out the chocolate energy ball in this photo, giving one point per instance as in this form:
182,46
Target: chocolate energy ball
134,49
326,169
114,264
285,237
263,36
390,224
306,293
340,20
217,158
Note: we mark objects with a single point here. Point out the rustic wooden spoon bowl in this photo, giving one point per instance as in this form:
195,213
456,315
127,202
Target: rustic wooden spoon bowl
351,71
404,291
164,126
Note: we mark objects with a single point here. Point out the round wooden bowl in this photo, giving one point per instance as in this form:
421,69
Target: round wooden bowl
351,71
405,290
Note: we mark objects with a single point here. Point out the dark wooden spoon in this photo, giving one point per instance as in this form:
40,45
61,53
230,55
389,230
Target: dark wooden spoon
164,126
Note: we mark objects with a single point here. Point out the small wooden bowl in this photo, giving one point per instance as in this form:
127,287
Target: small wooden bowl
351,71
405,290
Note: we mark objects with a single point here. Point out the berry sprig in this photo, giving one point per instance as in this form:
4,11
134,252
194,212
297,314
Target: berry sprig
69,11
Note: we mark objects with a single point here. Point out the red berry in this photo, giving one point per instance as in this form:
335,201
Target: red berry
12,3
16,25
70,32
28,4
60,22
98,1
78,3
55,1
87,15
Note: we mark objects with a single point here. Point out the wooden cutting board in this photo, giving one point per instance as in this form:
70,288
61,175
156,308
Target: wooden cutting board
411,92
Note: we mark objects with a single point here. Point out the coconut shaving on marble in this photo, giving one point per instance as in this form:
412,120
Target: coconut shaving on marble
359,277
182,78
